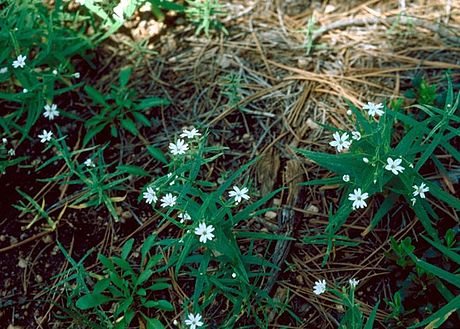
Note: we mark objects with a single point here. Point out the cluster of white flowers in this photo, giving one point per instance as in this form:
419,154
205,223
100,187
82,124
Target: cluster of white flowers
320,286
180,146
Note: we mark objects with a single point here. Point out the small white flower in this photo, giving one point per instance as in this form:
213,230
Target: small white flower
239,194
168,200
353,282
55,72
4,140
233,275
194,321
366,160
184,216
374,109
411,165
346,178
180,147
190,133
89,163
394,166
358,198
420,190
349,112
76,75
46,136
25,90
3,70
205,232
11,152
50,111
340,142
413,200
319,287
20,62
150,196
356,135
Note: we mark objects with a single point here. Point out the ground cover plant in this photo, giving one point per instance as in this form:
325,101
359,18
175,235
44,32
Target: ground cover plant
229,164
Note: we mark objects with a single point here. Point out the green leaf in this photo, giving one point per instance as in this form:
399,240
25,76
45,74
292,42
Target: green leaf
438,318
133,170
95,95
127,248
370,321
157,154
92,300
152,102
152,323
144,276
129,125
125,74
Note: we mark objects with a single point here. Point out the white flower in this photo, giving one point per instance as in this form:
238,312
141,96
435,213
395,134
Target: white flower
89,163
50,111
358,198
340,142
11,152
356,135
3,70
150,196
168,200
184,216
353,282
180,147
346,178
55,72
349,112
194,321
233,275
420,190
81,2
394,166
239,194
46,136
190,133
319,287
374,109
76,75
411,165
413,200
4,140
366,160
25,90
205,232
20,62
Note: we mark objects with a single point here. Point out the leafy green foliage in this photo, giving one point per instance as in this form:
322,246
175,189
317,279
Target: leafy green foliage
221,268
44,35
204,14
366,163
119,109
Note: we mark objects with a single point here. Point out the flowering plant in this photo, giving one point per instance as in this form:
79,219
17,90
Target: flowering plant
211,218
375,163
